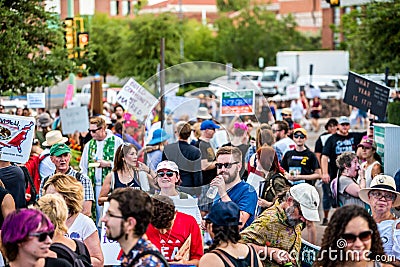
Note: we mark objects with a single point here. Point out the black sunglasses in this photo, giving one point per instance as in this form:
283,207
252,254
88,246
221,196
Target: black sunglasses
43,235
93,131
168,173
363,236
301,136
226,165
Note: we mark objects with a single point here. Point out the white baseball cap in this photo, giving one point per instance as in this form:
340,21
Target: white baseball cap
168,165
308,198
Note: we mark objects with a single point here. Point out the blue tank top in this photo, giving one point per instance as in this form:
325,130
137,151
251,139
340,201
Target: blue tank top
133,183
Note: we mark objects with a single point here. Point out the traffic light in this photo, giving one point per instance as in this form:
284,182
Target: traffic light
83,41
69,36
333,3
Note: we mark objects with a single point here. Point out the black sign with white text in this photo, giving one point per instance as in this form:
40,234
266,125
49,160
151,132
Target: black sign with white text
366,95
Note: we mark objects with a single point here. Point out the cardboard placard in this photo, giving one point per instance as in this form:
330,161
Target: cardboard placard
110,248
16,136
366,95
136,99
74,119
237,103
36,100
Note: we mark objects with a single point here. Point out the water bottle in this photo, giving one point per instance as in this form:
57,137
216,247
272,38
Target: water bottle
212,192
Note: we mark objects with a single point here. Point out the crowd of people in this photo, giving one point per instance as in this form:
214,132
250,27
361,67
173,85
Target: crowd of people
182,195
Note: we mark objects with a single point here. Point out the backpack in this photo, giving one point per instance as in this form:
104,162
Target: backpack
80,258
269,190
155,253
33,168
29,187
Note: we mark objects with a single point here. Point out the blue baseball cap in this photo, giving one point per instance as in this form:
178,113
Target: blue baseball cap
224,214
208,124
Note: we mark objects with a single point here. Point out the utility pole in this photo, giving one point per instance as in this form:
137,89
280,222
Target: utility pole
162,81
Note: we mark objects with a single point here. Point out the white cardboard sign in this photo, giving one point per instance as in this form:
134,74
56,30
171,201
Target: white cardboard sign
74,119
16,136
36,100
110,248
136,99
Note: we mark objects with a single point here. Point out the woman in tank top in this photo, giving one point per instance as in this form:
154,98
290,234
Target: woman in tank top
127,172
372,164
222,222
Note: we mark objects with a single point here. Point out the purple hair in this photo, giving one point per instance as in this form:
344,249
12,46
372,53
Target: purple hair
20,223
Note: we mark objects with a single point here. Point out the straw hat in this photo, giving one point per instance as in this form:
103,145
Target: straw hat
384,183
203,114
54,137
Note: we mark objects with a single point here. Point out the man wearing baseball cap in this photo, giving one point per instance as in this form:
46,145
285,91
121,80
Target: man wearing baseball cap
60,155
277,231
336,144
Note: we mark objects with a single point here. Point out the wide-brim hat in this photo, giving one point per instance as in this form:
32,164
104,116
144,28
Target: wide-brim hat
159,135
203,114
54,137
44,120
384,183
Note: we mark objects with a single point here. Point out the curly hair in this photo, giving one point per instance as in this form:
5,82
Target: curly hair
70,189
345,159
54,207
335,230
122,150
163,212
224,234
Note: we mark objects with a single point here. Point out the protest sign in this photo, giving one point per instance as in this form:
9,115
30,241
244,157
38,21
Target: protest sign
136,99
110,248
16,136
366,95
36,100
308,253
237,103
74,119
182,106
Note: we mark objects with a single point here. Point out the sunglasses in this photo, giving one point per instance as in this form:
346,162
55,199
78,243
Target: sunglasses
367,148
363,236
387,196
93,131
276,130
168,173
301,136
226,165
285,115
345,124
43,235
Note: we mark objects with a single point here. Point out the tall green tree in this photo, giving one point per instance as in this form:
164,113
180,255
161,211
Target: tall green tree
372,35
32,52
140,53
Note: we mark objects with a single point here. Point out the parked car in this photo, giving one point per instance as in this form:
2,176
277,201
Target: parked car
251,80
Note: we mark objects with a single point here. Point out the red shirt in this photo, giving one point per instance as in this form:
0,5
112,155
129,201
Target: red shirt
170,242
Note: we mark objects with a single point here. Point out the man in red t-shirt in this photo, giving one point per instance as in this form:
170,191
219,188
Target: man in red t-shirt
175,234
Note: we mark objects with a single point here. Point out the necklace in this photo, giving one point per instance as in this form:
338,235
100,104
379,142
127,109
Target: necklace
163,242
133,177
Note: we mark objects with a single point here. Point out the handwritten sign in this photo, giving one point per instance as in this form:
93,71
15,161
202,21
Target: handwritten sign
110,248
239,102
366,94
136,99
36,100
16,136
74,119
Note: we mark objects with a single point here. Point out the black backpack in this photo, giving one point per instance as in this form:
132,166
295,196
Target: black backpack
149,252
80,258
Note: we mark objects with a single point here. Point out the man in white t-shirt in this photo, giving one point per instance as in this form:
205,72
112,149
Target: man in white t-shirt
283,142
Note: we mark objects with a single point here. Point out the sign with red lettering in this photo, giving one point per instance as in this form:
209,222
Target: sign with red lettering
366,95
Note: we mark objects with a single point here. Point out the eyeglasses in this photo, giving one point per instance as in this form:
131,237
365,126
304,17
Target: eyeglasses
226,165
168,173
276,130
108,214
285,115
379,195
93,131
363,236
43,235
301,136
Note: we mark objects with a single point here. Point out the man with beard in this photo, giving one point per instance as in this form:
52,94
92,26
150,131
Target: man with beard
126,222
284,143
231,187
276,233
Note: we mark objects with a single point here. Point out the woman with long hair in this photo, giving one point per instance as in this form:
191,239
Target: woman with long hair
26,238
222,222
350,239
80,226
372,165
127,172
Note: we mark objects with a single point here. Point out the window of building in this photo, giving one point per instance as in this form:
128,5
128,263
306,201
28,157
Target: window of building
114,8
126,8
